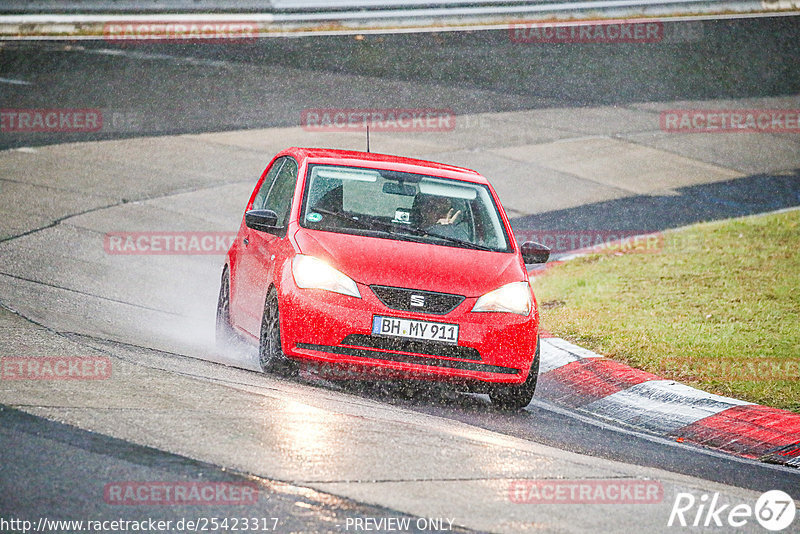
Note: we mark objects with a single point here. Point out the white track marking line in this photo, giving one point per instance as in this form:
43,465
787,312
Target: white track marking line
12,81
556,352
577,351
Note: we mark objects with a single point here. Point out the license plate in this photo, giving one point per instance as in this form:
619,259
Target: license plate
410,328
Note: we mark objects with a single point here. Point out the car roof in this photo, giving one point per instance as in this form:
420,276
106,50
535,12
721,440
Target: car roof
383,161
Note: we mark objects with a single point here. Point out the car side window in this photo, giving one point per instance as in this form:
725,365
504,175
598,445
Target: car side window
259,201
280,195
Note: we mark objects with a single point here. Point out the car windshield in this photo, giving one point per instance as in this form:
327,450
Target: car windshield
399,205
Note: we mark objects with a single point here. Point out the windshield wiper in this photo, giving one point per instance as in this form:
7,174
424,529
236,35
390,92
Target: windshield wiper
467,244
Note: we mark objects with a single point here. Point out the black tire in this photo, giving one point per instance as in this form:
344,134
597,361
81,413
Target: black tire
270,352
225,334
514,398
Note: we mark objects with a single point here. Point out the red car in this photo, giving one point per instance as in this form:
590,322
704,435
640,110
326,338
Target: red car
385,267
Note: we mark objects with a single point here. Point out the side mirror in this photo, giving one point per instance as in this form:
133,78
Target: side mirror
262,220
534,252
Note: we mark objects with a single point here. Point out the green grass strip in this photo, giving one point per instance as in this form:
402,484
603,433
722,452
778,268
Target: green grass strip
715,305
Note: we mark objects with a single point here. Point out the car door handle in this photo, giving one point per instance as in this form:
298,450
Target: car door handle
246,241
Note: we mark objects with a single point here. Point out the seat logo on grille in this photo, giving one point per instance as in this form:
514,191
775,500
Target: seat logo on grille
418,301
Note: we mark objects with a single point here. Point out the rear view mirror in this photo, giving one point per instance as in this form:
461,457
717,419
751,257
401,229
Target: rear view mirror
262,220
401,188
534,252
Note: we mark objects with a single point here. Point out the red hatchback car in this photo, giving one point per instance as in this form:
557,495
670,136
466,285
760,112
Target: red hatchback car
385,267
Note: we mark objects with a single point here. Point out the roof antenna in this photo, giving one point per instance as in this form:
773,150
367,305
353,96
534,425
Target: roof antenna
368,137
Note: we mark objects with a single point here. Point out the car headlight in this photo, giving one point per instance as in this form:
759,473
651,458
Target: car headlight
312,273
511,298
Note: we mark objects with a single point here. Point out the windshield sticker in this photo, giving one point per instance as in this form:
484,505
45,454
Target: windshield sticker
402,216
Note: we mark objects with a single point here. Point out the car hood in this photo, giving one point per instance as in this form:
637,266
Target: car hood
372,260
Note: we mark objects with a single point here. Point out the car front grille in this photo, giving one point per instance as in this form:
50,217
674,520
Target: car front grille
429,361
413,346
413,300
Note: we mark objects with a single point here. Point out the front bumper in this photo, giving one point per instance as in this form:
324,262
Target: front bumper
325,328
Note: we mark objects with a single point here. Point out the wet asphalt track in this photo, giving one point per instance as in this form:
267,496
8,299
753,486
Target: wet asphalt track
220,89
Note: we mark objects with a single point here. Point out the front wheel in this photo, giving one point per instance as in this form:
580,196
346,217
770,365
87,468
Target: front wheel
225,334
270,352
519,396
